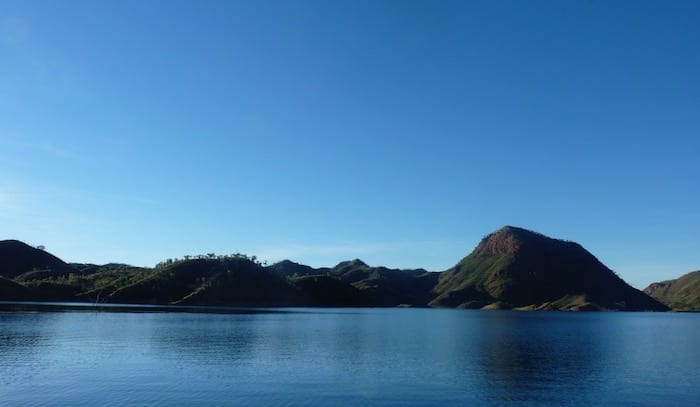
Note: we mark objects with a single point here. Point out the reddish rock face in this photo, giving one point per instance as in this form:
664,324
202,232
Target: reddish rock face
654,287
681,294
500,242
517,267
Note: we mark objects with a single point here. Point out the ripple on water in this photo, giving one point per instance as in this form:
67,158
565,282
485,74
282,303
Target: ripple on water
339,357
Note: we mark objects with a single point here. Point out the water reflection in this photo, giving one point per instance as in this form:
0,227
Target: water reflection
522,358
377,356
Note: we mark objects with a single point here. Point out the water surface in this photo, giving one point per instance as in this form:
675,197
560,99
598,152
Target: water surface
77,355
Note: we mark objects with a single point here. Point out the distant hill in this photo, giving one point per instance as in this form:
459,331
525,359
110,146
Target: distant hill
359,284
234,281
387,287
682,294
18,258
327,291
287,268
510,268
518,268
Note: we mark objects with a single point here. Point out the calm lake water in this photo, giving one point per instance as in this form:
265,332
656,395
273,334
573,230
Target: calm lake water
145,356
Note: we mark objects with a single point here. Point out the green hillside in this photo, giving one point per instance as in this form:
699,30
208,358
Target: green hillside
510,268
681,294
518,268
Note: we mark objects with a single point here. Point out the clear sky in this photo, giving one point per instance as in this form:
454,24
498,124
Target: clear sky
398,132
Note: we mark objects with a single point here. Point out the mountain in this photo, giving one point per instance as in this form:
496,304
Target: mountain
385,287
224,281
681,294
17,258
287,268
517,268
510,268
354,283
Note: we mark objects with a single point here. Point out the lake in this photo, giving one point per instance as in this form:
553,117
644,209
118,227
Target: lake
80,355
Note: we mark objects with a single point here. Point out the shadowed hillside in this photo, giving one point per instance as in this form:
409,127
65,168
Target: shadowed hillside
510,268
327,291
18,258
9,290
682,294
387,287
360,284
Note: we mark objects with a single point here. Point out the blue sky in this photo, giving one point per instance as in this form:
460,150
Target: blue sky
397,132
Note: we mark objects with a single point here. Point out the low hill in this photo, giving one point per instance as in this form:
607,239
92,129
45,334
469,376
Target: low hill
510,268
681,294
518,268
355,283
234,281
327,291
287,268
18,258
388,287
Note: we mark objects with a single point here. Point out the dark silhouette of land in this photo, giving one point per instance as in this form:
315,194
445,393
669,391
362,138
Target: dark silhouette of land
512,268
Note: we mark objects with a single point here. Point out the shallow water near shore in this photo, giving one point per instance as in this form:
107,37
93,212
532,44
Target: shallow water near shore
73,354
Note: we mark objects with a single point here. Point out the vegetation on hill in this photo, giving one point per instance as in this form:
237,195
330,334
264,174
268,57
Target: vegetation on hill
18,258
327,291
510,268
387,287
681,294
517,268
